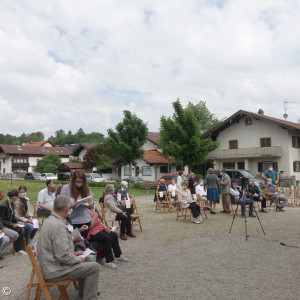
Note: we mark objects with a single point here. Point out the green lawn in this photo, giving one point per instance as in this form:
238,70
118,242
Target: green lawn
34,186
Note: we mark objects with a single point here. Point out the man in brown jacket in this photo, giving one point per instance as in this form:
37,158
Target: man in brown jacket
271,192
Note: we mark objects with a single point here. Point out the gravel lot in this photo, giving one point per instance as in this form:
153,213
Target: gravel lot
181,260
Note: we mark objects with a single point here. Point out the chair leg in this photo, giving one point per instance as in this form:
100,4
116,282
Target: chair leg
29,285
63,292
75,284
204,210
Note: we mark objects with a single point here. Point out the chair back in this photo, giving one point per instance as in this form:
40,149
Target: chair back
34,210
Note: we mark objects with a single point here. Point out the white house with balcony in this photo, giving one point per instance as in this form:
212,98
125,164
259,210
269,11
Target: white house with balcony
254,141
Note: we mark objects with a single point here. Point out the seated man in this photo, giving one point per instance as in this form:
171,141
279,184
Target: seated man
201,190
271,190
254,193
56,253
45,200
100,233
235,193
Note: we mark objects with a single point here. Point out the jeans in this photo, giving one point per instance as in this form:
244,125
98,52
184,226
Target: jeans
279,200
12,236
125,222
195,208
31,231
4,242
110,241
242,202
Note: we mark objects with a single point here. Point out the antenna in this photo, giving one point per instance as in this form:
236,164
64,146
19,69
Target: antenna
285,115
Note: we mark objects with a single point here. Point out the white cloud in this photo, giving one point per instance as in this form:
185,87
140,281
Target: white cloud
70,64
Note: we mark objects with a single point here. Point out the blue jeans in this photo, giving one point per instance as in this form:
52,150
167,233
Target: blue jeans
31,231
242,202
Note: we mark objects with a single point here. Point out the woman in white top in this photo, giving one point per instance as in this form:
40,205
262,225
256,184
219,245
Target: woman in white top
201,190
173,190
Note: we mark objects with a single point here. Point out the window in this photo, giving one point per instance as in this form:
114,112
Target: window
265,142
179,168
233,144
296,166
264,166
241,165
126,171
146,171
228,165
164,169
4,163
295,141
248,121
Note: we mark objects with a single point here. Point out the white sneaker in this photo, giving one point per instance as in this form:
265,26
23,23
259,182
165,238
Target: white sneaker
199,219
111,265
21,252
193,220
30,242
121,258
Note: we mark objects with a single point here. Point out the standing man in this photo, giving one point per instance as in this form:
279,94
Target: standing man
225,183
56,253
45,200
271,174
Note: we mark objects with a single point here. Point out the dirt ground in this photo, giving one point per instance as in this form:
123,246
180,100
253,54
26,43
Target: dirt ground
180,260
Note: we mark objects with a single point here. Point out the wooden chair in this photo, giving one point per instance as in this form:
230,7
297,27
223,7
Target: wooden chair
182,212
297,197
290,195
230,203
173,202
35,215
270,203
135,216
163,205
103,216
202,204
43,286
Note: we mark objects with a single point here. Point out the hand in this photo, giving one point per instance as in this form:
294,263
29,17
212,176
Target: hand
124,213
77,253
21,223
260,198
82,259
29,220
15,226
123,202
276,181
78,239
83,228
107,229
4,231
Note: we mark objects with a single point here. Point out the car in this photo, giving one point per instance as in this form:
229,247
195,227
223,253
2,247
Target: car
239,174
32,176
134,179
48,176
95,177
168,178
64,176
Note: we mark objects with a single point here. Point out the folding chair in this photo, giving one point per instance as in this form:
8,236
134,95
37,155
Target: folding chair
202,205
135,215
173,202
35,215
290,195
43,286
182,212
162,205
103,216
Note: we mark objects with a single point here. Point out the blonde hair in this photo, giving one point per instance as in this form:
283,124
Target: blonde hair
211,170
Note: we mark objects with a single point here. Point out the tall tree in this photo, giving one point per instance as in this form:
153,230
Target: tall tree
49,163
180,138
128,139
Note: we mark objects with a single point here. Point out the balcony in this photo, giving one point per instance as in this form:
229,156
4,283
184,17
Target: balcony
20,165
274,151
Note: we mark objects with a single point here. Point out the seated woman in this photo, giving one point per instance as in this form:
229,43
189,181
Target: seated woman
201,191
113,213
162,190
10,222
123,197
172,189
23,214
100,233
187,201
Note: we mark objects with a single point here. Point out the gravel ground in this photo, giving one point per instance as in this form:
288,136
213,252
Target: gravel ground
181,260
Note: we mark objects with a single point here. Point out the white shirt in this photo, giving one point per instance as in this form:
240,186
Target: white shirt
45,198
172,187
200,190
234,192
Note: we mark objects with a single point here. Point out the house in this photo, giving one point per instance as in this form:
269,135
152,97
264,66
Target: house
81,149
71,166
18,159
254,141
40,144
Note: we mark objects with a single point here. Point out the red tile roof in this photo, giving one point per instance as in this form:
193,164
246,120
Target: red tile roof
153,137
34,150
39,144
71,165
155,157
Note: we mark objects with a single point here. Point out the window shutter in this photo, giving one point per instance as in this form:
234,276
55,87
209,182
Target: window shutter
260,167
275,166
294,141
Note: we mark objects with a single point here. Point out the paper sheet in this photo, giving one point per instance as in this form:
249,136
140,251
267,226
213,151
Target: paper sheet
1,235
75,233
86,253
19,225
70,227
83,199
173,194
195,197
128,204
161,194
35,223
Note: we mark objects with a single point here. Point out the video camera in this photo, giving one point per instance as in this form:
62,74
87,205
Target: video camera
244,182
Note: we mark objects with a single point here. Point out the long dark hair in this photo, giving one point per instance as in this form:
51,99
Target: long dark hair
75,191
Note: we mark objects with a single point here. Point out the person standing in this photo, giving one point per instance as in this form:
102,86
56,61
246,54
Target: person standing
225,183
212,185
271,174
57,259
179,180
191,185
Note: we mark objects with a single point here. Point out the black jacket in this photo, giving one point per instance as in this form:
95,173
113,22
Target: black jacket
251,190
8,215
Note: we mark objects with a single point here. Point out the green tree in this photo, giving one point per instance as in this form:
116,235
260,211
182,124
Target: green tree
128,139
49,163
180,138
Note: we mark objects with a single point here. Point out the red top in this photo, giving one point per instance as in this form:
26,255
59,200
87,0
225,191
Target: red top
98,226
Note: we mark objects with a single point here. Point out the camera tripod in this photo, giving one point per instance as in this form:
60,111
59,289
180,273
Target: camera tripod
237,206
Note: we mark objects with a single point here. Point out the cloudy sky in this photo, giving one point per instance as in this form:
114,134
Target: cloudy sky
70,64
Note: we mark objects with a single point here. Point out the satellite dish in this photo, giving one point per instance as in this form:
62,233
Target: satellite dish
285,116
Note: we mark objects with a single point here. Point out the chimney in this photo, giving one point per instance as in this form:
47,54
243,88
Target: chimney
261,112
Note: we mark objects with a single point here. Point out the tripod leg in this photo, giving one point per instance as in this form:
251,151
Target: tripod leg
233,217
259,220
246,233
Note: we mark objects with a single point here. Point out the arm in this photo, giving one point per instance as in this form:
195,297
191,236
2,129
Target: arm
17,215
110,203
277,178
267,191
41,205
234,193
263,176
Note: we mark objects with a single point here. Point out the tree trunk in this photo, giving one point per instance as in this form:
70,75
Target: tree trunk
129,180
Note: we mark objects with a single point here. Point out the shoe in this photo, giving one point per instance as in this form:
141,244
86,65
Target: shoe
1,257
121,258
212,212
21,252
278,208
252,215
193,220
130,234
199,220
228,212
263,210
30,242
281,209
123,237
111,265
243,215
223,211
1,266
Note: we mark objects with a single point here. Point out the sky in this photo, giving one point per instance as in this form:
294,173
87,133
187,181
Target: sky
78,64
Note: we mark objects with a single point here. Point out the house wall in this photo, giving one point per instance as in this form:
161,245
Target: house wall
82,154
6,166
34,160
149,145
248,136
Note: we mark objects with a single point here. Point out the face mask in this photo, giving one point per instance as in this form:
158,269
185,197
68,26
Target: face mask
22,195
235,186
269,183
79,184
270,169
184,187
251,182
201,183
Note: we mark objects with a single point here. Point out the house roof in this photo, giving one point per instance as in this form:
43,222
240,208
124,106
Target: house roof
153,137
82,146
242,113
34,150
155,157
71,165
39,143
